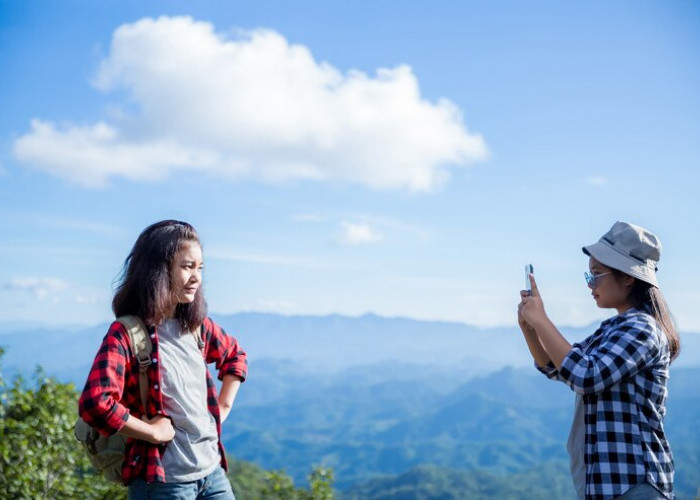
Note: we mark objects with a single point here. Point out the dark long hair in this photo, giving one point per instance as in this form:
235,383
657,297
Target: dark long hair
646,296
143,288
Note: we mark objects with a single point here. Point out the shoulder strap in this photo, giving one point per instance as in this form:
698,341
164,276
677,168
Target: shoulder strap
199,335
141,348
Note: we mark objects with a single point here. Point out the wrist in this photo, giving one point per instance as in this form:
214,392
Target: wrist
153,438
540,323
530,331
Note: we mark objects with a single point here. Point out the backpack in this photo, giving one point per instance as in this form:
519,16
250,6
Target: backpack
106,453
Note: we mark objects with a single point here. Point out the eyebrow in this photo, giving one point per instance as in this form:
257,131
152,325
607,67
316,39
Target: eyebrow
190,262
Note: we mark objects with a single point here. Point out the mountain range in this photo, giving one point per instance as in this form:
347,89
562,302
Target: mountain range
389,401
322,344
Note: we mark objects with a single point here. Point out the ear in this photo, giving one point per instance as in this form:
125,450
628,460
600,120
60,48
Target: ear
628,281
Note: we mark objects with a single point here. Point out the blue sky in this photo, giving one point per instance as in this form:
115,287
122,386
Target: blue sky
400,158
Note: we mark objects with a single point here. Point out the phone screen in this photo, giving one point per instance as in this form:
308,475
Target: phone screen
528,272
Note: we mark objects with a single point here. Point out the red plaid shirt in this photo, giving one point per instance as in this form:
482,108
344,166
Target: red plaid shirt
111,392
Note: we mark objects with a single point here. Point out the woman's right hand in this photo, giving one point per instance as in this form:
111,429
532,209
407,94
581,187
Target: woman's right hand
535,325
524,325
162,429
531,308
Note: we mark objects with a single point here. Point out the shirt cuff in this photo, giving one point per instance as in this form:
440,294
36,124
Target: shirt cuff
549,369
115,419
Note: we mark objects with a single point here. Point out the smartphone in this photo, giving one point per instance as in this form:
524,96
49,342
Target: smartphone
528,271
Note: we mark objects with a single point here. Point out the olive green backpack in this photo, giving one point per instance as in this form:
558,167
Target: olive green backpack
106,453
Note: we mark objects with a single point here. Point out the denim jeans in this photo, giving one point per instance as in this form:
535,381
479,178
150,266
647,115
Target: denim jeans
215,486
642,491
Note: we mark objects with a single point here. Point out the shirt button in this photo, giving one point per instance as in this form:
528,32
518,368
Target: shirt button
155,360
155,387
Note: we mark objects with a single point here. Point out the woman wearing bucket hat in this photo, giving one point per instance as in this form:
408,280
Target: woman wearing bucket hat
617,444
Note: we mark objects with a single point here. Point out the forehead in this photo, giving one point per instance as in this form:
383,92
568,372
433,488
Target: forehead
189,250
594,265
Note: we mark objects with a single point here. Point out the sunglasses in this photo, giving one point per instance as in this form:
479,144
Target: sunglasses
592,279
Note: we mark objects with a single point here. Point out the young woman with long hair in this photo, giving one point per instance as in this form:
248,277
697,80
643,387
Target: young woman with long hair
617,444
175,450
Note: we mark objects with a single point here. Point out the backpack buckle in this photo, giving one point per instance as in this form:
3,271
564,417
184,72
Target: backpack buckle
144,363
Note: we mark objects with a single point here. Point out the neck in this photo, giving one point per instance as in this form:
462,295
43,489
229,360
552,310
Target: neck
623,308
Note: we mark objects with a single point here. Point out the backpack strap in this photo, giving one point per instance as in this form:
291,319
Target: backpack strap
141,348
199,336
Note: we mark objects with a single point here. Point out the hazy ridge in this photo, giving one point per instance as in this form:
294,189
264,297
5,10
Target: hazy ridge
379,398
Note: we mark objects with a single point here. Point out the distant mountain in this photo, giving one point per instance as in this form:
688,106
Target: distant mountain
324,344
504,423
390,426
327,344
336,342
63,352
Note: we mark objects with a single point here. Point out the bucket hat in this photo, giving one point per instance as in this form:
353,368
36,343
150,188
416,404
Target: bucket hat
628,248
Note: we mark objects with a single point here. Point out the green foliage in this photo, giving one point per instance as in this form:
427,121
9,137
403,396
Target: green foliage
39,456
321,484
439,483
250,482
41,459
247,479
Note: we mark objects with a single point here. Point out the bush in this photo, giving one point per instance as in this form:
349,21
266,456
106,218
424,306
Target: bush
39,455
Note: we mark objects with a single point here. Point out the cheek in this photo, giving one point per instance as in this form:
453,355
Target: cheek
612,295
179,278
604,294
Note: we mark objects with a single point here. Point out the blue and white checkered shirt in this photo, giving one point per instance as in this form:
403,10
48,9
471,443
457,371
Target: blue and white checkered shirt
621,371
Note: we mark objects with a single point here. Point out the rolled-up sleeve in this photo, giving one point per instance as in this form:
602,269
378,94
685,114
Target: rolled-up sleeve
99,404
224,351
626,347
549,370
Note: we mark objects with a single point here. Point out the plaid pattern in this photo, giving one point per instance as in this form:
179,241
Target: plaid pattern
111,392
621,371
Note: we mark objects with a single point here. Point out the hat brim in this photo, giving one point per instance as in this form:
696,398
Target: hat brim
609,257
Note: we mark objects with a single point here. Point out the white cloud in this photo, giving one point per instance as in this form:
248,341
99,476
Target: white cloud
90,155
92,299
272,306
357,234
596,180
53,221
254,106
393,225
39,287
269,259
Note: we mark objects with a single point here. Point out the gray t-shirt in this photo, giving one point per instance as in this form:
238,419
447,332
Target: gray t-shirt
576,448
193,453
